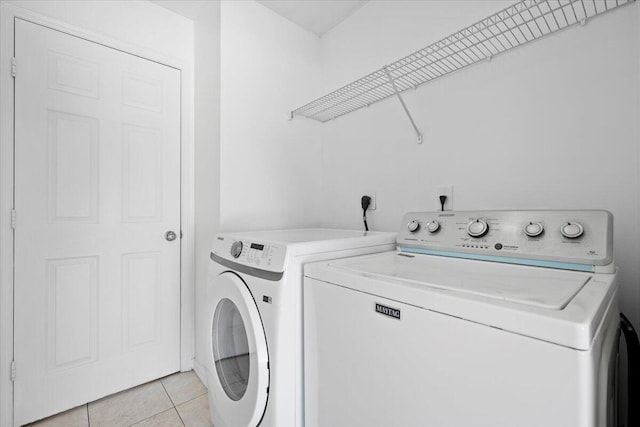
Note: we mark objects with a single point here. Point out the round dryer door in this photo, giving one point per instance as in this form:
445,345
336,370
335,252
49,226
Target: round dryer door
239,385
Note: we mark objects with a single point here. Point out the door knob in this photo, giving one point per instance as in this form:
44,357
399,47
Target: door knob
170,236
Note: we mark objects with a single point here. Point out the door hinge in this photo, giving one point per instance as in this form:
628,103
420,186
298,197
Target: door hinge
14,68
13,370
13,219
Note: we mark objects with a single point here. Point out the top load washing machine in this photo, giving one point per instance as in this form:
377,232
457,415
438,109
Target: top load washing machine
483,319
254,294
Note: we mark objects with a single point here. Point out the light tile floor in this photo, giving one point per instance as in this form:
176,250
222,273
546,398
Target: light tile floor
179,400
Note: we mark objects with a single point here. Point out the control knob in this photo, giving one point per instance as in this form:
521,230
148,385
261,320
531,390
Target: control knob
572,230
477,228
236,249
433,226
533,229
413,226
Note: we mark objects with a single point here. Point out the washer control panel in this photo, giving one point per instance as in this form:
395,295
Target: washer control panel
259,255
572,236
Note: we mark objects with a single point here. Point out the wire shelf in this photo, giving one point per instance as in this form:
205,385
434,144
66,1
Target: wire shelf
511,27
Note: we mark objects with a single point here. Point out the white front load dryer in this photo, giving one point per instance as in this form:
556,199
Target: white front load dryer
254,294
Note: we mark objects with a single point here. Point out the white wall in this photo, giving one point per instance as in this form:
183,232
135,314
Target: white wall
551,125
270,170
260,174
207,96
206,33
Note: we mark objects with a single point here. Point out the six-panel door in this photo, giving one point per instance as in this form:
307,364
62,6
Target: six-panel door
97,187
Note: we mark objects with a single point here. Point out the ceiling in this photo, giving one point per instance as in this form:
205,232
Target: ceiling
188,9
317,16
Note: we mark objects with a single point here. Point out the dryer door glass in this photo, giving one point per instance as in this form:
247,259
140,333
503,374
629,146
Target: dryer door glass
230,349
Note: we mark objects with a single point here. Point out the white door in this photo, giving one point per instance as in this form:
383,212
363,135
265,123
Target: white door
97,186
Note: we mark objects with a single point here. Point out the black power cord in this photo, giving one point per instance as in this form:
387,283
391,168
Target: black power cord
365,201
443,199
633,375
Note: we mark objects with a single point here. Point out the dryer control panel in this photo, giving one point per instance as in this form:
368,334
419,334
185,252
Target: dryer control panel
260,255
536,237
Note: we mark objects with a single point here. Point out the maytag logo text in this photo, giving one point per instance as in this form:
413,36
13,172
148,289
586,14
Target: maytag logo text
388,311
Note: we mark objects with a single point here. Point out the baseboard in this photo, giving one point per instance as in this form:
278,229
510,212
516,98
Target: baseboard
201,371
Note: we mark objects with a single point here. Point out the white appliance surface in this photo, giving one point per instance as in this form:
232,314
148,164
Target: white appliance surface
427,336
271,250
536,287
308,236
255,296
539,302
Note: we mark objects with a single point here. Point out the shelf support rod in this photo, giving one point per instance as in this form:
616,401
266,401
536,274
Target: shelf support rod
404,106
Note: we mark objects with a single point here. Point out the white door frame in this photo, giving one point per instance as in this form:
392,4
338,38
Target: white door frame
187,291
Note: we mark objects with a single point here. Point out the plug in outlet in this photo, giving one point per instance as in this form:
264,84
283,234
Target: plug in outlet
371,194
444,190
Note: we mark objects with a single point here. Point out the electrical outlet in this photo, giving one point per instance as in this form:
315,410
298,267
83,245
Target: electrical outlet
371,194
444,190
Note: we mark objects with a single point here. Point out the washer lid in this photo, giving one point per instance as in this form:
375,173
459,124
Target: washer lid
538,287
557,306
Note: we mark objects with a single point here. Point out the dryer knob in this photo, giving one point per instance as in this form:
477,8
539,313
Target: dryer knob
236,249
413,226
572,230
477,228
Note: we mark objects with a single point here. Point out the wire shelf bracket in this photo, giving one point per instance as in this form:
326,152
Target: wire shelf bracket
516,25
404,106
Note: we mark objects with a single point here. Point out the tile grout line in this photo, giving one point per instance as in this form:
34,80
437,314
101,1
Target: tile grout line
148,418
187,401
170,400
165,390
192,399
174,405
